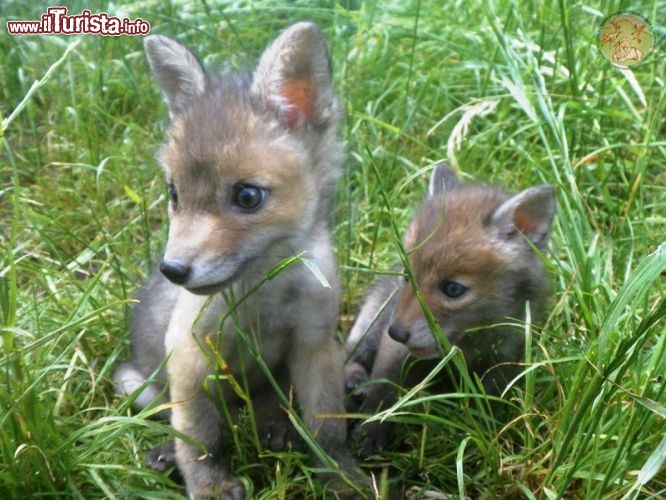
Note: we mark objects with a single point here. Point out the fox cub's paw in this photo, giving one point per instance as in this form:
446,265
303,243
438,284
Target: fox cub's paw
357,485
355,376
163,457
230,489
355,380
281,436
369,438
209,479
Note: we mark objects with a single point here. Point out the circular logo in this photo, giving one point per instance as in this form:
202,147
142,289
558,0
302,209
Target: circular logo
625,38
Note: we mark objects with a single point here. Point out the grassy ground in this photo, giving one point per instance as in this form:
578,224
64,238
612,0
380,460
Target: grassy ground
510,92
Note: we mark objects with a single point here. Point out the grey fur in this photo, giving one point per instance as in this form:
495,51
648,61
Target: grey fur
226,133
176,70
150,320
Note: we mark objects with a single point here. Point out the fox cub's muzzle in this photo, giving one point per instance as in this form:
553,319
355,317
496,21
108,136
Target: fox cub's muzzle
175,271
399,332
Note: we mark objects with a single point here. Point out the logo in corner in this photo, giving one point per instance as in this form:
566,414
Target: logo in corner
625,38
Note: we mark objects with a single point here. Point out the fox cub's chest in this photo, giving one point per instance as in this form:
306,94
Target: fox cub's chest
230,331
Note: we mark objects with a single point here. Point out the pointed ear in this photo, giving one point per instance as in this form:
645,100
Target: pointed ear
443,179
294,76
409,238
176,70
529,213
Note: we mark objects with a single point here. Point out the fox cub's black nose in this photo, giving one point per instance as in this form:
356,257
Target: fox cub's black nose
398,332
175,271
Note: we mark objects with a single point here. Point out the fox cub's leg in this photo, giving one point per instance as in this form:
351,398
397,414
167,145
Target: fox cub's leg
316,371
193,413
318,382
317,378
371,437
365,337
150,320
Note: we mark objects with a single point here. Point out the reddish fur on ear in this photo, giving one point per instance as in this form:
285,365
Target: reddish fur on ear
300,97
524,223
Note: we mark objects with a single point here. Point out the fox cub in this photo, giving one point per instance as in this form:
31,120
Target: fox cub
251,165
470,249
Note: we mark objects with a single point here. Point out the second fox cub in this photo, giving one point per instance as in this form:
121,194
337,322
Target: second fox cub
470,252
251,165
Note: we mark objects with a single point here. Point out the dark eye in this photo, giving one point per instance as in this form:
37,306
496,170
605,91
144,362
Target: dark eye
173,194
249,197
452,289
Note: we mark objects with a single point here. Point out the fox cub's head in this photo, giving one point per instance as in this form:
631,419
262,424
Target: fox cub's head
250,162
471,252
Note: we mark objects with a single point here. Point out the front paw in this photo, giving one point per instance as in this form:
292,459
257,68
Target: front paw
350,482
356,378
370,438
163,457
355,375
281,436
229,489
206,475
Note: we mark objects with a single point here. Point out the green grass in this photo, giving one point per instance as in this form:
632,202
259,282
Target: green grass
82,217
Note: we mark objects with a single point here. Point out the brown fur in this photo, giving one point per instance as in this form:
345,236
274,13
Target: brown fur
476,237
